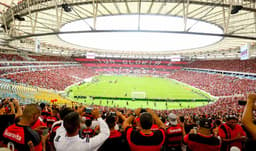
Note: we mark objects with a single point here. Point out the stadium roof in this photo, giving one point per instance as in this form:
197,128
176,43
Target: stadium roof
24,22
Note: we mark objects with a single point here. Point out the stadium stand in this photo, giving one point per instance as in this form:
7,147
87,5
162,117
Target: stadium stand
28,94
51,58
215,84
37,82
138,71
227,65
51,78
10,57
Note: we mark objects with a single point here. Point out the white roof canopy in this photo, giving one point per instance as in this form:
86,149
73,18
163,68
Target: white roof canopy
26,21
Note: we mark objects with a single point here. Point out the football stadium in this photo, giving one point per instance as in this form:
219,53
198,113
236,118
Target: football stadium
156,75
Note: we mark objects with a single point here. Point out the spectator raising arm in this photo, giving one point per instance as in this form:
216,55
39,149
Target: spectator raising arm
98,140
18,108
131,117
159,123
120,115
247,118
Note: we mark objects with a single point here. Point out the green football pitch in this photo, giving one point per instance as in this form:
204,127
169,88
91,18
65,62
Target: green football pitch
134,91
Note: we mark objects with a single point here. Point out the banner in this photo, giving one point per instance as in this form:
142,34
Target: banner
245,52
37,45
130,62
90,55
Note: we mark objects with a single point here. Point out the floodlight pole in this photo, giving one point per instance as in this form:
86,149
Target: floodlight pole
226,20
185,13
255,20
34,25
139,10
57,14
29,12
95,10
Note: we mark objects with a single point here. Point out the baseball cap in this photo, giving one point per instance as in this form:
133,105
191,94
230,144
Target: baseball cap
231,116
234,148
172,118
205,123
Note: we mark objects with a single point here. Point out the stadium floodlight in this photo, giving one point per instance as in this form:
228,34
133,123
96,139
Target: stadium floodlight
19,18
5,27
236,9
66,7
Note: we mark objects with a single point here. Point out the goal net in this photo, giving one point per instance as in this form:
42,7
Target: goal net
138,95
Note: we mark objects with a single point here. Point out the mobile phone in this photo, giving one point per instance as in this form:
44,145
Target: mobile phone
143,110
182,119
195,130
45,131
241,102
113,113
88,110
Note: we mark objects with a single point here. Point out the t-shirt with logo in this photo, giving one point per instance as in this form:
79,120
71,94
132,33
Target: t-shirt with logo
174,136
6,120
50,120
21,137
87,132
139,141
228,133
199,142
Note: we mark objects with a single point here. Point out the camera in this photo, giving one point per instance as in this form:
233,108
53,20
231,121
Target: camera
112,113
241,102
195,130
11,99
143,110
5,104
45,131
182,119
88,110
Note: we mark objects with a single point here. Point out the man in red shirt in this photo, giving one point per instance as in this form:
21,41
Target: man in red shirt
20,134
51,119
144,138
87,131
231,133
115,141
7,117
174,134
202,140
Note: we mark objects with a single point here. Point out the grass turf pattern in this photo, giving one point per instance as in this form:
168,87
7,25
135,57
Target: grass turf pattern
122,87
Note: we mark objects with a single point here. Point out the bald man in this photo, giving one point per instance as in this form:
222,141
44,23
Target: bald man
20,135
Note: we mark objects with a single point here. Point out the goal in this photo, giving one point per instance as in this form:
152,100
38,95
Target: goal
138,95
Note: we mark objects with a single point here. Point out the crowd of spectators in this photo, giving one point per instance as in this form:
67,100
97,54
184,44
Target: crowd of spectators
5,64
17,57
21,67
223,125
10,57
13,70
132,66
215,84
57,78
51,58
215,127
226,65
137,71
